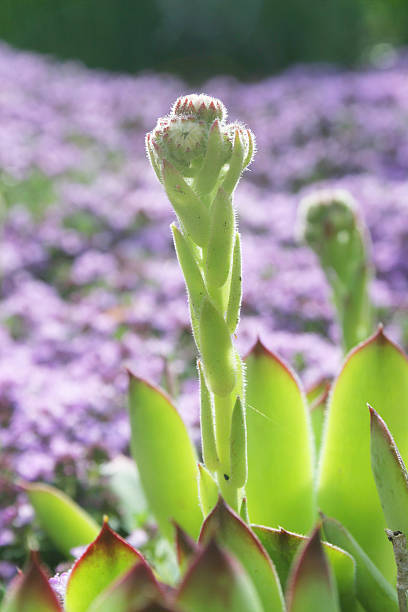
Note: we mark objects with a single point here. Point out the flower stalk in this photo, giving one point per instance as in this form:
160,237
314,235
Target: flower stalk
199,159
329,223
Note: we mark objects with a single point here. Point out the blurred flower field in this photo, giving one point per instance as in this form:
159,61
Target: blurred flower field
90,283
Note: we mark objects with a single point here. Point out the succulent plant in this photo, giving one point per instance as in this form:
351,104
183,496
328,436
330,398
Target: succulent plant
329,223
244,522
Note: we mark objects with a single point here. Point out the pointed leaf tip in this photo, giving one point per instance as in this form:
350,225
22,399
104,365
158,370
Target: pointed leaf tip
108,557
186,547
216,581
31,590
390,474
137,587
233,534
311,584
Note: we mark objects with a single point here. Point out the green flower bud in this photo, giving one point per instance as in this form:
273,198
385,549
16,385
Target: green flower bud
247,140
180,140
330,225
325,215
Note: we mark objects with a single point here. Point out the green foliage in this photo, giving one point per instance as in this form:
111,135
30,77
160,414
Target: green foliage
208,489
238,452
217,582
165,458
282,546
67,525
280,451
232,37
208,443
373,590
104,560
390,474
134,589
123,480
235,296
232,533
31,592
217,350
222,232
191,211
311,584
376,372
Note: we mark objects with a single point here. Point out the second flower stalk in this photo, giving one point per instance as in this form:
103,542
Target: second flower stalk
199,159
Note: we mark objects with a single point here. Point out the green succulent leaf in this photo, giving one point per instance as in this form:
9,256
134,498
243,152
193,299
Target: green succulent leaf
221,240
186,547
165,458
191,211
317,400
66,524
216,581
317,392
208,443
251,149
375,372
31,591
280,446
238,454
236,164
234,535
107,558
235,293
213,161
216,350
390,475
124,482
191,272
373,591
243,511
157,607
208,489
136,588
311,584
152,157
282,546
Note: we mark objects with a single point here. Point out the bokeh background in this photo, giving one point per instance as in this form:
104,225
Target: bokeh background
89,280
197,39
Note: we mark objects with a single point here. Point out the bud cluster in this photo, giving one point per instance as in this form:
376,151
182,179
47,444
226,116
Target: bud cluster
329,223
183,137
326,214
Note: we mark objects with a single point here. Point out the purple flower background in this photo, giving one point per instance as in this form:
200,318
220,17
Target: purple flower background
90,282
